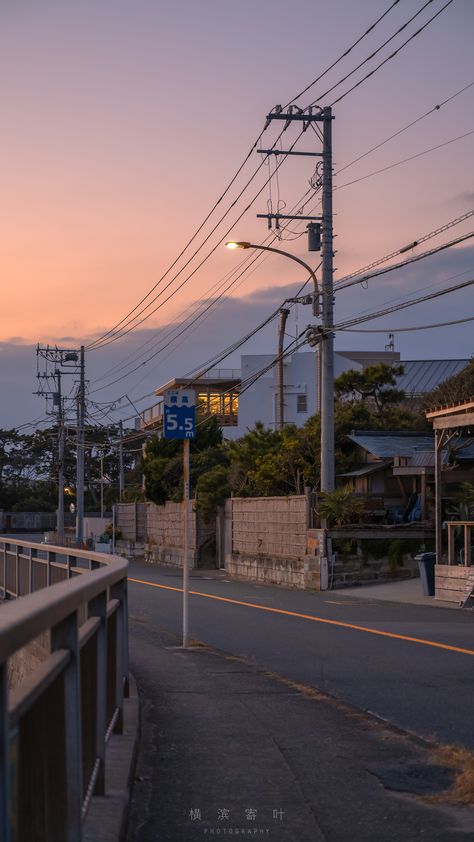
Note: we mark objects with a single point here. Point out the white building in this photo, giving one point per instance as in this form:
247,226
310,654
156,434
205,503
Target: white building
259,402
239,403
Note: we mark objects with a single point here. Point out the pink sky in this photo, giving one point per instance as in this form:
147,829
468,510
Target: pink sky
123,122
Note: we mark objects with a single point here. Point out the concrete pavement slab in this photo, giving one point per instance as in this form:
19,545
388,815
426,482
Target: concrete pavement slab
230,750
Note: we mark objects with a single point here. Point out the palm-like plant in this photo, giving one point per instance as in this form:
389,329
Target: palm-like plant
340,507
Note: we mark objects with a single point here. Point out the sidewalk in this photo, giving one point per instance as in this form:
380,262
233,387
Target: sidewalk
409,591
229,750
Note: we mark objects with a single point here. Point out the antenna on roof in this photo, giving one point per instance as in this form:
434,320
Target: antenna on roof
391,342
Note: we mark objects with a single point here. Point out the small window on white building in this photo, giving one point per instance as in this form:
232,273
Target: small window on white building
301,403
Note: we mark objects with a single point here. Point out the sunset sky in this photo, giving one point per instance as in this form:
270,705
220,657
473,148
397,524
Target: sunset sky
122,124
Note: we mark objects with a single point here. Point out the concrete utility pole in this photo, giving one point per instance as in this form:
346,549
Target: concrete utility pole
327,348
121,466
284,312
64,361
102,485
60,512
306,117
81,414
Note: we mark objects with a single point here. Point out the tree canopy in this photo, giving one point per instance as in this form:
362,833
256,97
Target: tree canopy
29,468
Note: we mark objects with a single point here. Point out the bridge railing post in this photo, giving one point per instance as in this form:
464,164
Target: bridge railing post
4,571
17,571
30,570
118,591
4,755
98,608
65,636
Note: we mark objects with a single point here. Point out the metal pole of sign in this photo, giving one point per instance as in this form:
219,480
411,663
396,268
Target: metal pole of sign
113,530
185,540
179,422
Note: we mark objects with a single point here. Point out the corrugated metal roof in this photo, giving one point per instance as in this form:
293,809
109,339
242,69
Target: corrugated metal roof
418,446
422,376
367,469
462,452
385,445
423,459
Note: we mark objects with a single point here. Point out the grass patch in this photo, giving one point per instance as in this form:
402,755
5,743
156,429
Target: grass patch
462,760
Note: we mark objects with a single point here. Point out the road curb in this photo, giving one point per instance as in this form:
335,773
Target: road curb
107,816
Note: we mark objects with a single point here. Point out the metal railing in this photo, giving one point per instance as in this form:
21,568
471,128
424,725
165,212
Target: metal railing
55,725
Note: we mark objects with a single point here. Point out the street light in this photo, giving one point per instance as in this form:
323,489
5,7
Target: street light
283,315
245,245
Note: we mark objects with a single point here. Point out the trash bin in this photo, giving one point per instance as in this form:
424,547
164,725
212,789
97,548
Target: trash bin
426,566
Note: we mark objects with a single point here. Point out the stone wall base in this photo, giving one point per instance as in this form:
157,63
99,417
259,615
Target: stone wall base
168,556
268,569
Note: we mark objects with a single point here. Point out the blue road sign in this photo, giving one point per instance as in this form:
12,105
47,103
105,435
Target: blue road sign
179,418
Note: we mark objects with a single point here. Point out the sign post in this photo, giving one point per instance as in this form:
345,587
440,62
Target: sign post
179,422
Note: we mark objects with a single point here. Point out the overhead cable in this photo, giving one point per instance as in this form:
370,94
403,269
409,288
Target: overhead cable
374,53
424,238
405,329
365,278
405,128
130,326
111,331
392,55
401,306
404,160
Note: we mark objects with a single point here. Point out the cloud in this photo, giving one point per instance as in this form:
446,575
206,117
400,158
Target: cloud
156,360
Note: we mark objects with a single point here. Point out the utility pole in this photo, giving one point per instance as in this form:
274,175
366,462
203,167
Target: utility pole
284,312
102,485
121,466
60,512
81,412
324,178
62,361
327,347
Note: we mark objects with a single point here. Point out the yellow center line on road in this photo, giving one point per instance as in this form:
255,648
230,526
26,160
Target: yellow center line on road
311,617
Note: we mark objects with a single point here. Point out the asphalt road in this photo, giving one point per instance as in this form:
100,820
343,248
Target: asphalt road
356,650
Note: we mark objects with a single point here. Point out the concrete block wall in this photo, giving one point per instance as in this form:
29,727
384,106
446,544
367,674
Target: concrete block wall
164,533
268,540
270,526
131,521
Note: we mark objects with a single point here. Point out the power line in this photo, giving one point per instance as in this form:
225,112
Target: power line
374,53
405,160
194,314
365,278
424,238
234,178
404,129
401,47
402,306
224,235
109,335
190,241
406,329
344,54
184,329
130,326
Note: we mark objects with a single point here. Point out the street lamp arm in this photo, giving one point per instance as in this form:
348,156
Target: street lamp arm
245,245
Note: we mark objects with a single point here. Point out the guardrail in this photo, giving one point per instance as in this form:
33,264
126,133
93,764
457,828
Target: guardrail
55,726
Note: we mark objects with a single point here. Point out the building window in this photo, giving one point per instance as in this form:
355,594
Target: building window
301,403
